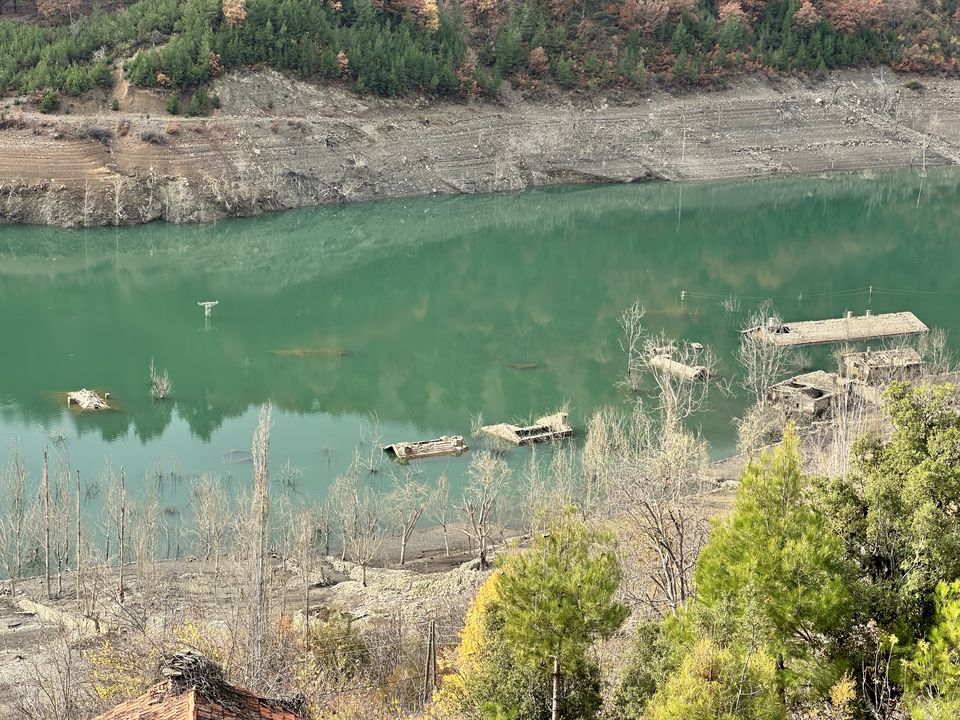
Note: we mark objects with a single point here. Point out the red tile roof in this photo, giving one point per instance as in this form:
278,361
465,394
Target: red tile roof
161,702
164,701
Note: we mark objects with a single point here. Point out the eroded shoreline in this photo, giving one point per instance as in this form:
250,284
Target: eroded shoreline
278,143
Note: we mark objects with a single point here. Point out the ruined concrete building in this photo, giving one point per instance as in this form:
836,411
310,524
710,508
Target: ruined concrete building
807,395
193,688
878,367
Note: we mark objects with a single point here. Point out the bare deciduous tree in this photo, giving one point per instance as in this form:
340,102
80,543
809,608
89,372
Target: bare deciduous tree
361,514
13,515
160,384
258,544
487,477
438,509
631,342
304,553
122,536
324,520
61,522
119,209
78,544
655,470
759,427
551,483
145,529
829,447
935,351
45,499
209,502
340,500
54,689
684,374
763,363
115,525
407,500
368,455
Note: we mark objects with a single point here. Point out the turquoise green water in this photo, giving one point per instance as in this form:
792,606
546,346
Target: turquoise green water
431,299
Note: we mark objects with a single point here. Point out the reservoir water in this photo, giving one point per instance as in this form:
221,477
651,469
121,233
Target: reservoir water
401,319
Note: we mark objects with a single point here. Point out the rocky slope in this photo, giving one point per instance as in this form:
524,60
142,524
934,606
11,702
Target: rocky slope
278,143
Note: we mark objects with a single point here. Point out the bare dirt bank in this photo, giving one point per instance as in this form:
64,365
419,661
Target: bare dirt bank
279,143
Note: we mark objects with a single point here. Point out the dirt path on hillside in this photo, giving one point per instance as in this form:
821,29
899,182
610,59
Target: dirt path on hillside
279,143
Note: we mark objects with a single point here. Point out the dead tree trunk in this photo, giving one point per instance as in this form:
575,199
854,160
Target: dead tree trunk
260,531
46,524
122,528
79,576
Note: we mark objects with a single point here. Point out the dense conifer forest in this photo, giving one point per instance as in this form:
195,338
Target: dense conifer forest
392,47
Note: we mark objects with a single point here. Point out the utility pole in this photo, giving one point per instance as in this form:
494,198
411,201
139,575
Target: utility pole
554,709
430,665
208,306
433,652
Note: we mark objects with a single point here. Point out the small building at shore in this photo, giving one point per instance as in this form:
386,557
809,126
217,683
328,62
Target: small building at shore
809,395
878,367
193,688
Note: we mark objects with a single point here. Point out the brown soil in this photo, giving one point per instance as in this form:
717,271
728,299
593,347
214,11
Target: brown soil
280,143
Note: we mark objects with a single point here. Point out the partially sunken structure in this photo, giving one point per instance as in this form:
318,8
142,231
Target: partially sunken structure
543,429
427,448
665,363
88,400
852,328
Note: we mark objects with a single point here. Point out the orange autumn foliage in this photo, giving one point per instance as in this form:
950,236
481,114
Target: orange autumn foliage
422,12
732,9
806,15
234,11
848,15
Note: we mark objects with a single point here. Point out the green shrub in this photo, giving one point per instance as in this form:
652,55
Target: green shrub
337,649
49,102
199,103
562,70
553,599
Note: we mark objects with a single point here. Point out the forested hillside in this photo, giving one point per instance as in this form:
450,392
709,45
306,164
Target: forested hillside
390,47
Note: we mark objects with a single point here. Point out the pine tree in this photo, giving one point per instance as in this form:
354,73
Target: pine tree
551,600
560,595
774,558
